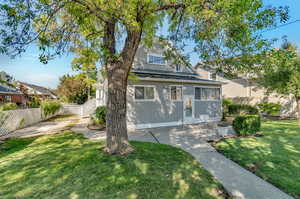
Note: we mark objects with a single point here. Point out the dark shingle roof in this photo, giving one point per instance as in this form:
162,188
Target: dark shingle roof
7,89
39,89
173,77
163,72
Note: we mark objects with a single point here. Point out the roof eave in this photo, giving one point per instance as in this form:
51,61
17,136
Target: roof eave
2,92
165,72
181,81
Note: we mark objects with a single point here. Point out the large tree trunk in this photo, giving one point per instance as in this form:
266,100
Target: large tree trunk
117,74
117,138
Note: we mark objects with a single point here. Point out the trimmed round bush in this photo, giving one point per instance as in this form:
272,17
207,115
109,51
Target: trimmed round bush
100,114
247,124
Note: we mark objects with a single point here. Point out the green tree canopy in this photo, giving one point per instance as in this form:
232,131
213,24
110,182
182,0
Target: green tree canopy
279,71
74,89
111,31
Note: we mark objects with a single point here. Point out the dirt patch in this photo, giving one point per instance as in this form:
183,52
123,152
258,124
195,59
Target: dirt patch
96,127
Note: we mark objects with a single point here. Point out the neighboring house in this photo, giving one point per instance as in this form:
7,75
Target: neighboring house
11,94
166,94
245,91
31,90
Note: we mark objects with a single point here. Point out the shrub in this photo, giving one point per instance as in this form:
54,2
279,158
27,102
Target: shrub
238,109
225,104
270,108
8,106
100,114
247,124
35,102
50,107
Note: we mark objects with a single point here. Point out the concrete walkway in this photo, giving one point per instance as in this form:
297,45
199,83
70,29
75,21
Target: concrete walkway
241,183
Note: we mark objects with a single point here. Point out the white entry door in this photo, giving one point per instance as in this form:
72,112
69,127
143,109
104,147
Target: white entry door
188,109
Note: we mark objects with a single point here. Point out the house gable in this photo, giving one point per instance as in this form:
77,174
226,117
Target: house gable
145,56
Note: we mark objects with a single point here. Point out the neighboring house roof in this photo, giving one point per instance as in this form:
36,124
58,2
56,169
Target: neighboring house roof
143,75
230,77
8,90
38,90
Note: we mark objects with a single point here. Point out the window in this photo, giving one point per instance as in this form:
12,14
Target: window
213,76
7,98
144,93
176,93
207,93
152,59
198,93
178,68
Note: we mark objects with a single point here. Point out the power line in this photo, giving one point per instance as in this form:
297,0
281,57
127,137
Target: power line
286,24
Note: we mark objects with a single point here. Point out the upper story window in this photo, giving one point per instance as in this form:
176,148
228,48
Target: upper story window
156,59
178,68
213,76
176,92
144,93
207,93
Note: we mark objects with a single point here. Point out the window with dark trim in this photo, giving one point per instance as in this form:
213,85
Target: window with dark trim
144,93
207,93
176,92
213,76
153,59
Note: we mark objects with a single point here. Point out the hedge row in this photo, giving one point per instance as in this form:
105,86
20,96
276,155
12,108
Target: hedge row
237,109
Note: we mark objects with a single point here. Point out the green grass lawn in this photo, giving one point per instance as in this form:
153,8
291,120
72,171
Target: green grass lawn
275,157
66,165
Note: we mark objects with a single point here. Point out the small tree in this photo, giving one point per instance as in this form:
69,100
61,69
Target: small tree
280,72
74,89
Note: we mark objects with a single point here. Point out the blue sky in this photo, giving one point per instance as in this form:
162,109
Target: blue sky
28,68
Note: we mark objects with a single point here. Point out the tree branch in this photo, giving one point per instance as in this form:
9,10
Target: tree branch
109,41
92,10
169,6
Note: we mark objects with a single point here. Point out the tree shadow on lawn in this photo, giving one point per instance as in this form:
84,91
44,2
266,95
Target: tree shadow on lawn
68,166
11,146
275,157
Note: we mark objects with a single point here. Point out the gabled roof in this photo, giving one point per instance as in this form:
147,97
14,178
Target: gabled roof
8,90
39,89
